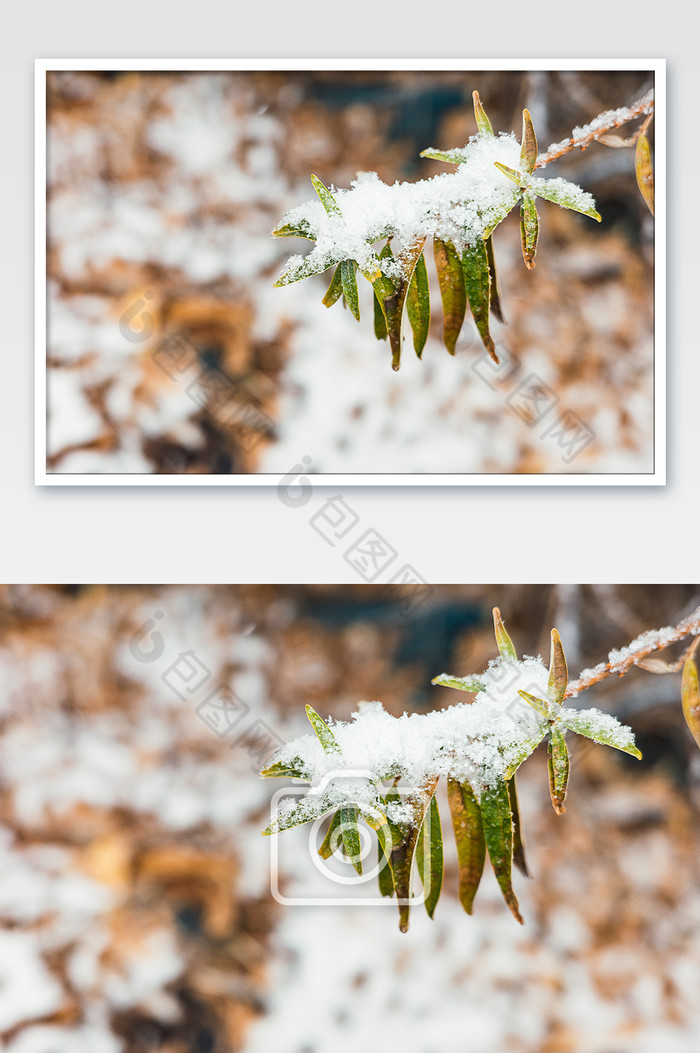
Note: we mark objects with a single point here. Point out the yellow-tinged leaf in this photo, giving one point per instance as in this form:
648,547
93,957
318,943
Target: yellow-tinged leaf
335,289
528,151
482,122
558,671
418,305
452,291
506,648
690,695
558,763
429,857
529,229
469,837
498,834
644,171
477,281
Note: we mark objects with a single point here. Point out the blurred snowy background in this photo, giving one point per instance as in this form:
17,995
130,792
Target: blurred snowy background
135,905
169,351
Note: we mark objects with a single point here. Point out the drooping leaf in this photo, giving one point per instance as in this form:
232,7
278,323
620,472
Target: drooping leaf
351,835
418,305
333,838
518,840
483,124
324,733
461,683
529,228
429,857
600,727
394,304
478,285
403,852
644,171
349,283
498,834
566,195
385,877
506,648
690,697
528,150
327,200
495,298
335,289
286,769
380,329
452,291
469,837
558,672
558,763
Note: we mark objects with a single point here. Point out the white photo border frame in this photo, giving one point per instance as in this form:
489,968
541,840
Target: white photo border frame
657,477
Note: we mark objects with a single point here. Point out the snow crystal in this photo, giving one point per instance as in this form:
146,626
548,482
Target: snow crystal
475,741
456,206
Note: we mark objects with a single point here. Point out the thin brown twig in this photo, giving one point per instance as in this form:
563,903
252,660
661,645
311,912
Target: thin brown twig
620,662
645,105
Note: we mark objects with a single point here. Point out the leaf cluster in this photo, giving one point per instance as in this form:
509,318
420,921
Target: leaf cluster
465,266
484,812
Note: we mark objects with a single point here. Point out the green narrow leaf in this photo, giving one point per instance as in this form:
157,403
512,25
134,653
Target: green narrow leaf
452,291
394,304
469,837
498,835
324,733
303,267
385,877
380,329
282,769
518,840
566,195
335,289
461,683
418,305
402,854
528,151
327,199
483,124
331,841
351,835
506,648
301,229
601,728
478,284
429,857
312,806
690,697
495,298
452,157
515,177
542,705
558,672
558,763
644,171
529,228
349,284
